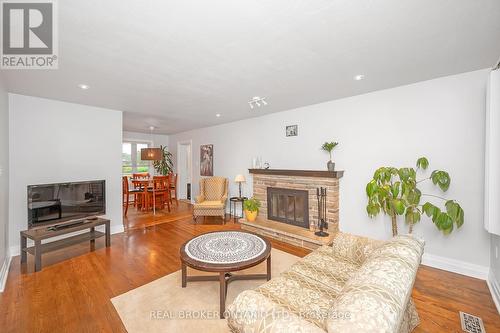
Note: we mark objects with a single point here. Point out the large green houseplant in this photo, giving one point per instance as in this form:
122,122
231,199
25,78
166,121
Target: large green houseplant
165,165
395,192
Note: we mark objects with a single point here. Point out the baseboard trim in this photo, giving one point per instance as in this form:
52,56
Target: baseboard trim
456,266
494,286
15,250
4,272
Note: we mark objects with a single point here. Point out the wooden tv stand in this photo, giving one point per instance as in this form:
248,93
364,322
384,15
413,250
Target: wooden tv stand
39,234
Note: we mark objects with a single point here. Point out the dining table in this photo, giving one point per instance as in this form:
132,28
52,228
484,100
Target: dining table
146,184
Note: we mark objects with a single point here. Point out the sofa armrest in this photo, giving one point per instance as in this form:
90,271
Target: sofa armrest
223,200
252,312
377,295
199,198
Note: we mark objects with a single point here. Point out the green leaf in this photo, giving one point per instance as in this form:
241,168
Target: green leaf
441,179
399,207
422,163
404,174
395,189
460,219
444,221
371,188
414,197
428,209
373,209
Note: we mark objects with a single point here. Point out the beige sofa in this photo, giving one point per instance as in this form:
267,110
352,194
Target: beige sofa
354,285
212,198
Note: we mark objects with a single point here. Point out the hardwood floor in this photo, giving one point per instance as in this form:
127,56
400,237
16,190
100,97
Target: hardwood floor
72,293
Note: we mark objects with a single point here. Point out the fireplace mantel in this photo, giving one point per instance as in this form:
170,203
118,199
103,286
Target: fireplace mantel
298,173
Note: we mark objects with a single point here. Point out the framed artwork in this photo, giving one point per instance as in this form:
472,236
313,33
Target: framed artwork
207,160
292,130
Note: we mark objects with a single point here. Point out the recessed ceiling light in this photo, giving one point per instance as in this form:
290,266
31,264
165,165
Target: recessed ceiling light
217,115
83,86
359,77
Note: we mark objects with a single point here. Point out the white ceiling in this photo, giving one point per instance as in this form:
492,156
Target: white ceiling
175,64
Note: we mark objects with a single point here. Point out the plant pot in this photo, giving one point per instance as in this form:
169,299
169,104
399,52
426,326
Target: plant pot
331,166
251,216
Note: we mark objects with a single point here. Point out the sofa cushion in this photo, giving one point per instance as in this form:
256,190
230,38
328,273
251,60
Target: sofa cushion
254,312
354,249
325,268
300,295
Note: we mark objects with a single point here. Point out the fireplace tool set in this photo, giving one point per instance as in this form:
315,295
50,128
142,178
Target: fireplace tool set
322,224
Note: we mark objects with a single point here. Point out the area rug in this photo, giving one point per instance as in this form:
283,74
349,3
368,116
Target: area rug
164,306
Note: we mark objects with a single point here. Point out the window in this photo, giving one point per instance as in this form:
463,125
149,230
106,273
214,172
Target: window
131,158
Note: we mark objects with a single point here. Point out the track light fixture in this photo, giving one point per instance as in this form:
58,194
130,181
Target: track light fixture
257,102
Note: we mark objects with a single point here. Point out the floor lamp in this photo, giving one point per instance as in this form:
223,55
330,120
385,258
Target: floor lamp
152,154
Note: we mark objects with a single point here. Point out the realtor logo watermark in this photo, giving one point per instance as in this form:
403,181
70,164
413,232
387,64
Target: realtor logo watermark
29,34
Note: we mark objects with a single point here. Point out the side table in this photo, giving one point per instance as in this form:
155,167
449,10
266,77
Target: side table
234,201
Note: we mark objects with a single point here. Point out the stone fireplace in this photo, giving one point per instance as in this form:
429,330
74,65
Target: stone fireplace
289,206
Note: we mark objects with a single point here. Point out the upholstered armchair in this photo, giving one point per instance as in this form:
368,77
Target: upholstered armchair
212,198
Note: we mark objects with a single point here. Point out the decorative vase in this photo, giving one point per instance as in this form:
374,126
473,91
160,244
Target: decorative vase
331,166
251,216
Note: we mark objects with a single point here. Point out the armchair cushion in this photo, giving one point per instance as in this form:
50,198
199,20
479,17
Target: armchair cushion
210,204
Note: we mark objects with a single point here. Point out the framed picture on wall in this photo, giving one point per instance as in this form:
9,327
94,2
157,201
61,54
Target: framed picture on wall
207,160
292,130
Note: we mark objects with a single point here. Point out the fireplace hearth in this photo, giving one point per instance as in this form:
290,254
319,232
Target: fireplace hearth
289,206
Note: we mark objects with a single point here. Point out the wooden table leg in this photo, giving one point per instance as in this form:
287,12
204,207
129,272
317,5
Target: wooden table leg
92,241
23,252
38,255
269,267
222,306
183,268
108,234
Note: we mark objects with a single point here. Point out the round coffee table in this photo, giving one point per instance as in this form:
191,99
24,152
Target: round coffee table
224,252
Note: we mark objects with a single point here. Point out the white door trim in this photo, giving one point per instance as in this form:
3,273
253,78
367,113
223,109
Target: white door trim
190,157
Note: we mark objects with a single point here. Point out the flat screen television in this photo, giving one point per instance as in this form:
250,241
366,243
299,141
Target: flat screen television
55,203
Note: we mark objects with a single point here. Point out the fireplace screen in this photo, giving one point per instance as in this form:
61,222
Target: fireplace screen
288,206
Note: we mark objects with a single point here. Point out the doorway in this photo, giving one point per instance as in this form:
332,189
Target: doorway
184,169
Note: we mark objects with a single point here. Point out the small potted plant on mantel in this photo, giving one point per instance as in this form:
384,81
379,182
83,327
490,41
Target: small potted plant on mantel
328,147
251,208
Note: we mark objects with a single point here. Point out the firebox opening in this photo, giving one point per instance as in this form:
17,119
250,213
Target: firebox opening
288,206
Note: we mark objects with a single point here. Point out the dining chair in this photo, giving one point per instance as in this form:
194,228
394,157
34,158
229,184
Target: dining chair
126,191
142,194
138,185
141,175
173,186
161,191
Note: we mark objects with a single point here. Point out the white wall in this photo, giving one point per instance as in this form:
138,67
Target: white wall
442,119
4,183
52,141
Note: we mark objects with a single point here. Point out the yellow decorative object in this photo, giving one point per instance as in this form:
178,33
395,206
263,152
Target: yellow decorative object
251,216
